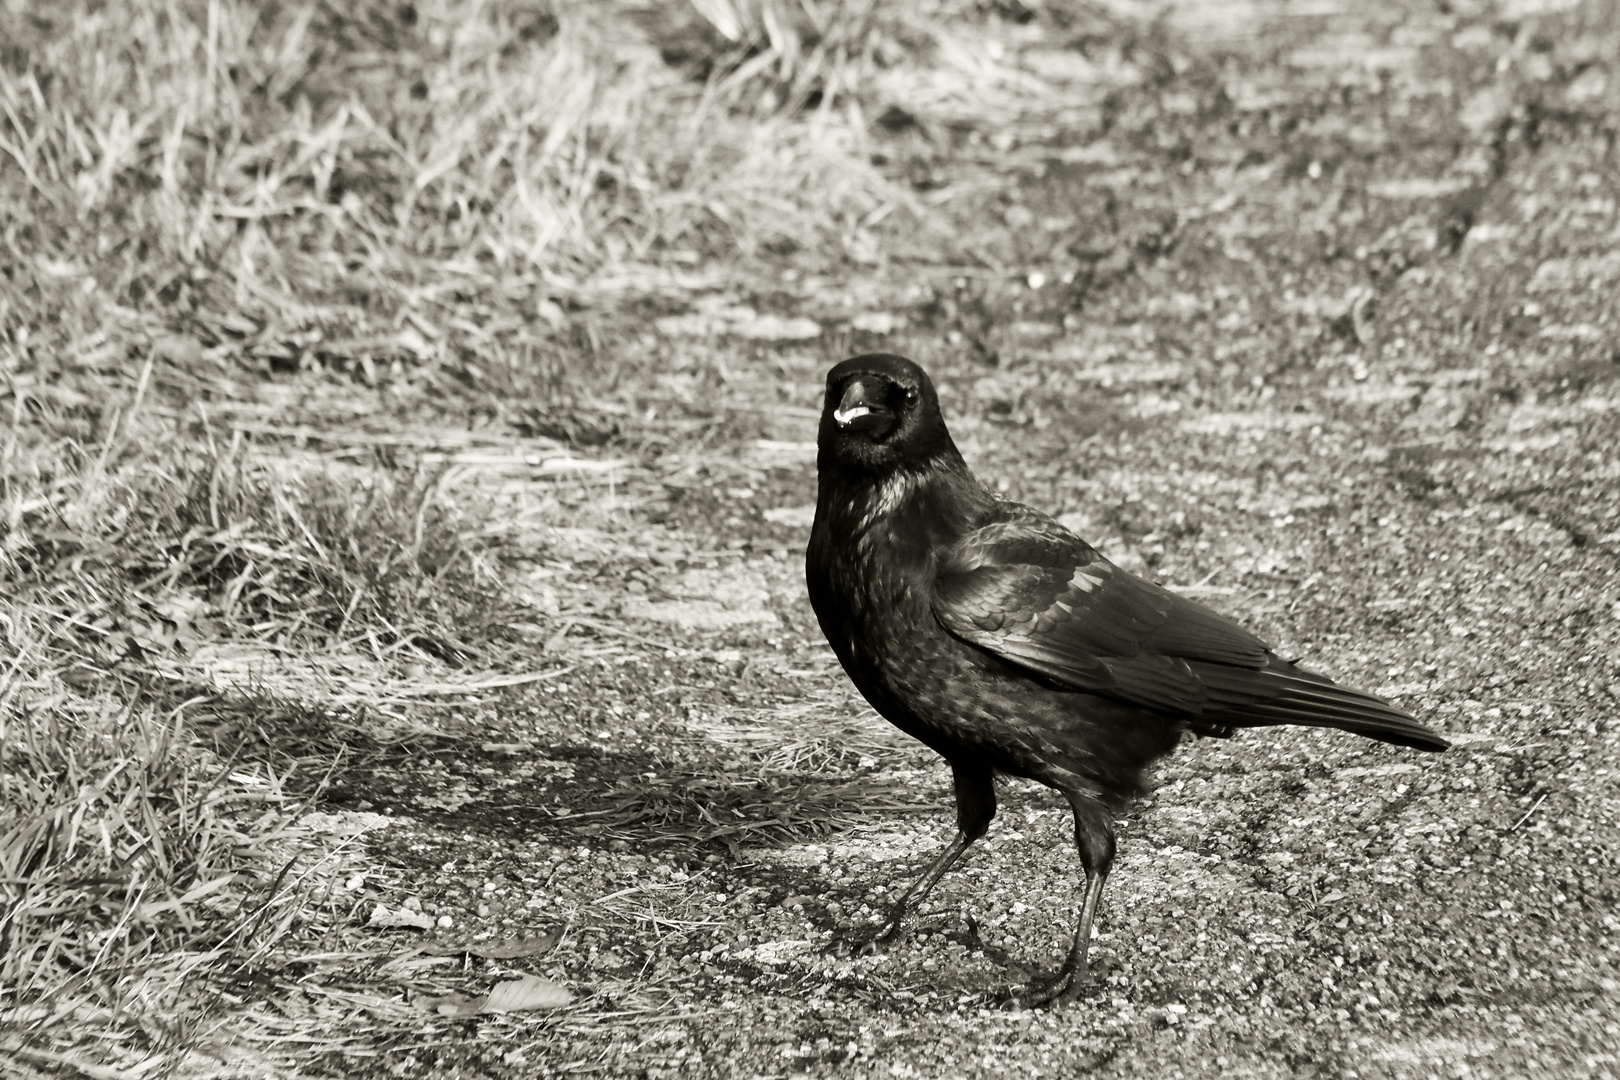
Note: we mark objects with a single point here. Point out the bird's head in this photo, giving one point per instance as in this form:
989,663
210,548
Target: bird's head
881,414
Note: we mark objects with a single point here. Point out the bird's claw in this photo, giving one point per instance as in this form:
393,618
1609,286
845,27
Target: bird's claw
863,941
1062,989
1067,985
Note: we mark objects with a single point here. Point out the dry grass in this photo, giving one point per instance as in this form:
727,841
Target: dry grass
135,873
127,866
295,184
132,856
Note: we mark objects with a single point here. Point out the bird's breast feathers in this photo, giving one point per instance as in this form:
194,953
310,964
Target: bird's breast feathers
892,492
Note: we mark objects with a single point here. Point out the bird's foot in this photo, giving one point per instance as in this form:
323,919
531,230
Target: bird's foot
1067,985
868,940
1061,988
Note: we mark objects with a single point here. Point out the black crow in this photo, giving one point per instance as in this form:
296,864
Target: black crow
1006,643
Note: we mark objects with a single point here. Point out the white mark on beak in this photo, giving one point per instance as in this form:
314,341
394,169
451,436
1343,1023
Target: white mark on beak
843,418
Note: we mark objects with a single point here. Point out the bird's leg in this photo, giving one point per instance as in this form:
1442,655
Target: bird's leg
1094,836
975,806
918,892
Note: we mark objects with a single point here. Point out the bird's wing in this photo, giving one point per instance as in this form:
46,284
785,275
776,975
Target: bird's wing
1029,591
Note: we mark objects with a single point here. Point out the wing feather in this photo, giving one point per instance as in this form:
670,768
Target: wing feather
1025,589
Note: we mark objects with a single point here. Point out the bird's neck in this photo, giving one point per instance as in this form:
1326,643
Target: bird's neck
908,514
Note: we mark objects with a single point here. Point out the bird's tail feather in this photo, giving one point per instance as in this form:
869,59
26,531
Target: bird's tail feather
1283,693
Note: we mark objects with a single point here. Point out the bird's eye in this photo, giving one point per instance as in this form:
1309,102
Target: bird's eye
911,395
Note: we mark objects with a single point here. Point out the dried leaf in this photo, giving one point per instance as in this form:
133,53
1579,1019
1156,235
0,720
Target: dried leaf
528,992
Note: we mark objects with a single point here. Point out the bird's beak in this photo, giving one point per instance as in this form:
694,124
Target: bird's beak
860,410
